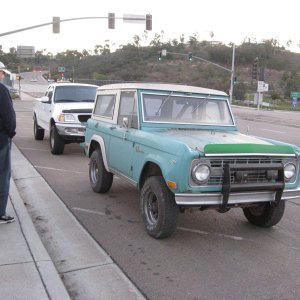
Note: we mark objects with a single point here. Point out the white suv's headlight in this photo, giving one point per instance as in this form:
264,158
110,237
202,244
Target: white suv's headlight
201,173
66,118
289,171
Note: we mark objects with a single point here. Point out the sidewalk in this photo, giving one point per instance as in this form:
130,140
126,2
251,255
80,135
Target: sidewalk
61,262
26,270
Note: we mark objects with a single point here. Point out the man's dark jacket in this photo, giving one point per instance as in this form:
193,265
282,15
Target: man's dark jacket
7,116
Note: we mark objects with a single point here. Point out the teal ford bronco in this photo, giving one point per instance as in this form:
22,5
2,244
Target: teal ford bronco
180,146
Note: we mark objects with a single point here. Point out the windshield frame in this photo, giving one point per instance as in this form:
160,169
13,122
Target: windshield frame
175,96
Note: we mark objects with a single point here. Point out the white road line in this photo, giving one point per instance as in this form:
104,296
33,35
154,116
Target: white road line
33,149
89,211
236,238
62,170
47,150
276,131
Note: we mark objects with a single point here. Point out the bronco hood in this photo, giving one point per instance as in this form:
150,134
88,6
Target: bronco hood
222,142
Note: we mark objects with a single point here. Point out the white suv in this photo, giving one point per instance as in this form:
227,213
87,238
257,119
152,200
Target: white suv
62,110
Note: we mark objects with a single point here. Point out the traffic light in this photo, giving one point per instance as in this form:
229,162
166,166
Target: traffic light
56,25
18,77
262,73
190,56
111,21
148,22
255,69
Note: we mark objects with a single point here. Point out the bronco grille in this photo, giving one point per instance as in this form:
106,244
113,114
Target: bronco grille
250,176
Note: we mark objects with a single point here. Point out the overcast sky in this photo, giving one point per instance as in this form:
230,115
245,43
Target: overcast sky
229,20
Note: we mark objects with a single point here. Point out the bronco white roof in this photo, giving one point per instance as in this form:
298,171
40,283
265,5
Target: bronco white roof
162,87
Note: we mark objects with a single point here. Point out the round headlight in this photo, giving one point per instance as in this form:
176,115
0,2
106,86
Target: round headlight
201,173
289,171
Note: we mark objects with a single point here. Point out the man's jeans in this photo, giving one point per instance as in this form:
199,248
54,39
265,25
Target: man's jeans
5,173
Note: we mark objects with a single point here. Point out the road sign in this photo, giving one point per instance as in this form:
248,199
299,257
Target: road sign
262,86
295,95
134,19
61,69
25,51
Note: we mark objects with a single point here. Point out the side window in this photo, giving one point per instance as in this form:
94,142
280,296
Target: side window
49,93
128,109
105,105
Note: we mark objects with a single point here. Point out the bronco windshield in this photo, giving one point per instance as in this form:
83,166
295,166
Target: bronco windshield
202,110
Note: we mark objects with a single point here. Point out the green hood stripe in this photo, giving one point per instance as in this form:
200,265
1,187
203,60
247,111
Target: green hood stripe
247,148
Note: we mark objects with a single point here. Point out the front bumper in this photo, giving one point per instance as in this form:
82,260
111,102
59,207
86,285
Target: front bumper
71,130
239,198
241,191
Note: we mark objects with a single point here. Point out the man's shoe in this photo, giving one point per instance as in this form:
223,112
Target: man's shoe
6,219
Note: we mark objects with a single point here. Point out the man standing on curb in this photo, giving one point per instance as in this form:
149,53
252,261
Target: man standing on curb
7,132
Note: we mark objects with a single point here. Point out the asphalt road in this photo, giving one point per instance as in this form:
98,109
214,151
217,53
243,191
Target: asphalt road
211,256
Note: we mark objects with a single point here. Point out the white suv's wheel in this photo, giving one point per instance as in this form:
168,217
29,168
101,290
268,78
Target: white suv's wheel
57,144
37,130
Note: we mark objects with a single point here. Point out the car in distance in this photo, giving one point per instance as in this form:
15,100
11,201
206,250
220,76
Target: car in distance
180,146
62,111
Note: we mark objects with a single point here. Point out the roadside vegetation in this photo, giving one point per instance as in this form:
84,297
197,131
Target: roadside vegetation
138,61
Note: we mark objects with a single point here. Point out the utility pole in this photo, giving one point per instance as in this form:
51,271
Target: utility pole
232,75
19,70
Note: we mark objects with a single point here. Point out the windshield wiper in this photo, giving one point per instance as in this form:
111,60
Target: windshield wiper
163,103
65,100
202,102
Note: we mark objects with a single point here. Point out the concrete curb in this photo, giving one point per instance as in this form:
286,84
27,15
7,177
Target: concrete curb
52,282
87,270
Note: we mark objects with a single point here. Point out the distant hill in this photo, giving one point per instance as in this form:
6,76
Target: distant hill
277,66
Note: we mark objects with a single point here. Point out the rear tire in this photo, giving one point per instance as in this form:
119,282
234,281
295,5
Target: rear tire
158,208
265,215
37,130
100,179
57,144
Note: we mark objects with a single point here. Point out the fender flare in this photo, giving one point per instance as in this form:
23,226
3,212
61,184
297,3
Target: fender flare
100,141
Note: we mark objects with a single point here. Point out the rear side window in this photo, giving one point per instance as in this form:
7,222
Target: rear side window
128,109
105,105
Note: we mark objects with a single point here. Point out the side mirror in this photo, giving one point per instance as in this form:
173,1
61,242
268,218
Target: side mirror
125,122
45,99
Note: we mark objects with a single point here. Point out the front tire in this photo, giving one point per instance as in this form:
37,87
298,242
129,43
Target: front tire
265,215
158,208
100,179
37,130
57,144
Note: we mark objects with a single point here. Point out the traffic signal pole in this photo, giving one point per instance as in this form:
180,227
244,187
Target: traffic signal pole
56,21
190,56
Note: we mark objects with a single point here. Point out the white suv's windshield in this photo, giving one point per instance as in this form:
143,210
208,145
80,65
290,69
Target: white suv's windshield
75,94
185,110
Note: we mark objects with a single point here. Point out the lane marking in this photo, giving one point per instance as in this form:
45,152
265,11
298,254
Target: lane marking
276,131
232,237
45,150
62,170
32,149
89,211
